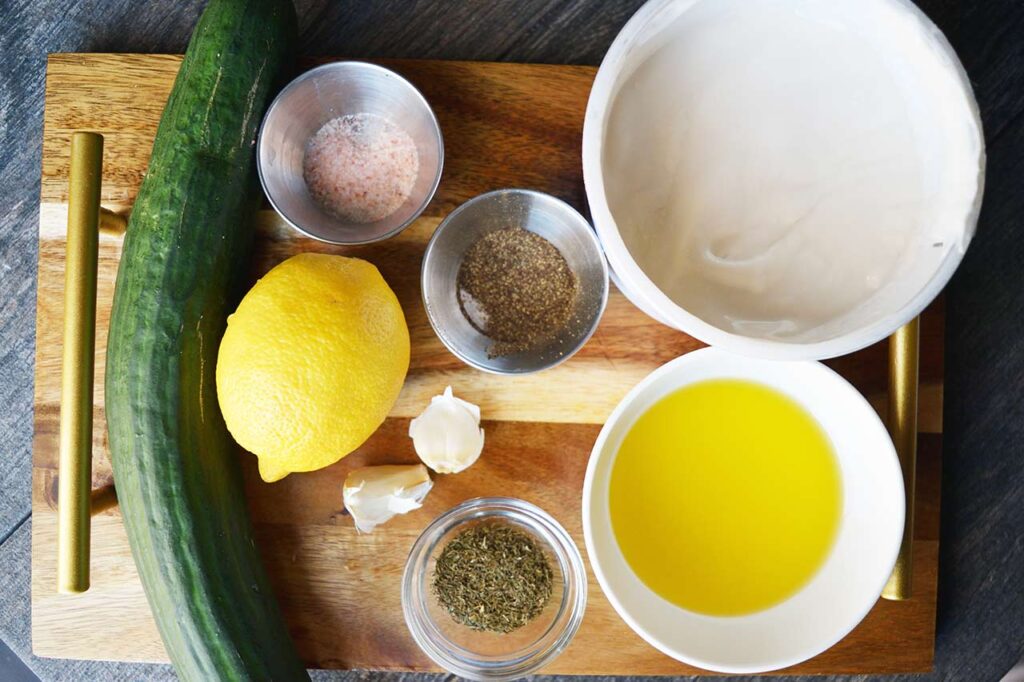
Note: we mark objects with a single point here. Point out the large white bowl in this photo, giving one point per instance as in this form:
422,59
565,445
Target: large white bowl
845,588
926,68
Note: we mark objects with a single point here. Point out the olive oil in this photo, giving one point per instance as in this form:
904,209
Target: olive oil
725,497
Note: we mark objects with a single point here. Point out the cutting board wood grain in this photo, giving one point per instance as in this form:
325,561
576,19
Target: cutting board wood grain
505,125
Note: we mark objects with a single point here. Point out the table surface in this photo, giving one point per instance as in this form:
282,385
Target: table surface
981,591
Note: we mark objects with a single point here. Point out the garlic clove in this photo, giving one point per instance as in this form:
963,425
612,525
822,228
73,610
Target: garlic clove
447,435
375,494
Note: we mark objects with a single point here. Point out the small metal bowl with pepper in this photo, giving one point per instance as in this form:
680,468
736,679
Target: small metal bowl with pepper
514,281
494,589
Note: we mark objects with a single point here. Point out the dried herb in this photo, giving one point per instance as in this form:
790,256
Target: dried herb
515,287
493,577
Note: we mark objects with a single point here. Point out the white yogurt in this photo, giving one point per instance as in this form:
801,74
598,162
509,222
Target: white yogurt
791,169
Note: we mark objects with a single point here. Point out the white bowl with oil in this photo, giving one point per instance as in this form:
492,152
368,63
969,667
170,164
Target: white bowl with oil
837,596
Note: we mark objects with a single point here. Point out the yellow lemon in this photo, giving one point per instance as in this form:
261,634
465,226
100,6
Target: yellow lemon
311,362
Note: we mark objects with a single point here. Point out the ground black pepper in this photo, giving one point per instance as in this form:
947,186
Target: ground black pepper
515,287
493,577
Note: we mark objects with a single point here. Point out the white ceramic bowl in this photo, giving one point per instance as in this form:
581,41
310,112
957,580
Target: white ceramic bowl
927,76
843,590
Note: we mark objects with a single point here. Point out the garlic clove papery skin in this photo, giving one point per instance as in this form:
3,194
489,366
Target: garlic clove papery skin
447,435
375,494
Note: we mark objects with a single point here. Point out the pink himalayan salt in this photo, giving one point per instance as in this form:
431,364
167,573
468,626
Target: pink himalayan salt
360,167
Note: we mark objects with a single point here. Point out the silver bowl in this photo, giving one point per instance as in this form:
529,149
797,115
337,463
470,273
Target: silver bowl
310,101
551,218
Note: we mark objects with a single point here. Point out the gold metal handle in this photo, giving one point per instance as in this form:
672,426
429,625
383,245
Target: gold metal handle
75,474
903,383
112,224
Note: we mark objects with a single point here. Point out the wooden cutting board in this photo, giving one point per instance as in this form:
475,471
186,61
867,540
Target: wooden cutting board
505,125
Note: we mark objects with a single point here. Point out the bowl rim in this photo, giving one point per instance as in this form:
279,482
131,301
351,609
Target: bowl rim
577,220
601,452
644,293
388,73
574,596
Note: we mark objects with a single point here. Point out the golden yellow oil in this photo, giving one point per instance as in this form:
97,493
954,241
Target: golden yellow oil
725,497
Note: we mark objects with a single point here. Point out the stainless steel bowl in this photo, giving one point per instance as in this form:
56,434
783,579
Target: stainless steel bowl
551,218
310,101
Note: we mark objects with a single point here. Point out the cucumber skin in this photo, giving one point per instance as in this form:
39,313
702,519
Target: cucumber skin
175,466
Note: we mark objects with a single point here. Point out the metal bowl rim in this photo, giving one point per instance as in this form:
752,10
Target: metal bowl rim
428,197
579,222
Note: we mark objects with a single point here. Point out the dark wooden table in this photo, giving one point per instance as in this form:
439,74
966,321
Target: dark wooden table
981,592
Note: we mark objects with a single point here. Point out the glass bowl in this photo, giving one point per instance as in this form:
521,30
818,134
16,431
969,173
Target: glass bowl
478,655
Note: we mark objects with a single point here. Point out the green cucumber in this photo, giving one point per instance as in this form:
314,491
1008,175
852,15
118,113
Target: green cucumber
175,466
